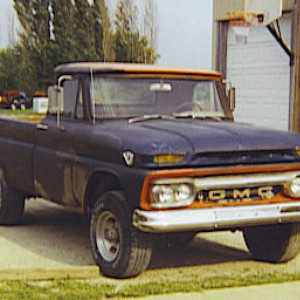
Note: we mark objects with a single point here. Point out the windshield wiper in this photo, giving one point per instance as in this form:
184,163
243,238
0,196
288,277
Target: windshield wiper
150,117
197,116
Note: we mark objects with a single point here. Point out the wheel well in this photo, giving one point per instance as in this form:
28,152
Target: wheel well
98,184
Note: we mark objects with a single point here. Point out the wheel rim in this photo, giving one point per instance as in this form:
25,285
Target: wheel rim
108,235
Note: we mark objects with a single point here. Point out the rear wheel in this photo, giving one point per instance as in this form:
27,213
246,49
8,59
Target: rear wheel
273,243
11,204
118,248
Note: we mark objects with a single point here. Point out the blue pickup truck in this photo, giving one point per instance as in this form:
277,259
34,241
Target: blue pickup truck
151,153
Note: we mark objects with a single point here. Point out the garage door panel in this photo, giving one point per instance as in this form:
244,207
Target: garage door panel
258,99
268,84
252,53
273,116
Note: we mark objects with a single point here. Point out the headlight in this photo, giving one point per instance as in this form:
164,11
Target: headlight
173,195
292,188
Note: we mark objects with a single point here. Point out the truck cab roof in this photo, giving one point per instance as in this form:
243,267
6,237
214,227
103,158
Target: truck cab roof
107,68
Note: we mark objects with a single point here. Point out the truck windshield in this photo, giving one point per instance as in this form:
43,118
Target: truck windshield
132,97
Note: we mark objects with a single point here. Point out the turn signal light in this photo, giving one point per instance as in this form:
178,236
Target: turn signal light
169,158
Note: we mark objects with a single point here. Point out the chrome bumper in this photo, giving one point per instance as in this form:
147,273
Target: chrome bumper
216,218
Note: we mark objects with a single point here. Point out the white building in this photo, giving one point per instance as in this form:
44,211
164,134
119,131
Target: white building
260,69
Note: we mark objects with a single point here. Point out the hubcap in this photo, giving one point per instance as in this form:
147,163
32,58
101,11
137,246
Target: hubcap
108,235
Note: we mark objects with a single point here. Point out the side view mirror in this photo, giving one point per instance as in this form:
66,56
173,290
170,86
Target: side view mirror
56,98
55,95
231,98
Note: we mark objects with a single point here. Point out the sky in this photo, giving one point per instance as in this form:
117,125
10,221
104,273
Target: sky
6,15
184,31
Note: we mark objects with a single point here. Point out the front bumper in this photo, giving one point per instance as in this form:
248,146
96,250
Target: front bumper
218,218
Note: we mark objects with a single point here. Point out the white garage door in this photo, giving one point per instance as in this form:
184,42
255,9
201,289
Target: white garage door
261,73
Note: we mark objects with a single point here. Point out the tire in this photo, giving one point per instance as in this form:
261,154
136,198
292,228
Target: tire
12,204
13,107
273,243
119,249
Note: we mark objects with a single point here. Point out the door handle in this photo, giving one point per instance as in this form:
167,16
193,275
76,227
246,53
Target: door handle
41,126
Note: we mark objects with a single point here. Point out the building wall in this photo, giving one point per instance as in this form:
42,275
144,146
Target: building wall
261,73
260,69
221,7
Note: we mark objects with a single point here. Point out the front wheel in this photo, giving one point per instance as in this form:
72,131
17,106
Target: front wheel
273,243
23,106
119,249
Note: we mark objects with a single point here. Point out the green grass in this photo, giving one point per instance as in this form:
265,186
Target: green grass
74,289
9,112
27,115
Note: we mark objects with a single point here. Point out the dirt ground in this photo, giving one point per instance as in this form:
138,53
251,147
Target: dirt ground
54,242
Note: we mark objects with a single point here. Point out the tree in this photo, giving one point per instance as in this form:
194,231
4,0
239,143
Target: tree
150,31
99,31
130,46
84,31
126,20
107,36
10,78
34,17
61,33
77,31
55,32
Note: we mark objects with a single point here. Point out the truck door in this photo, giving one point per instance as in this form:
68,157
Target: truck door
54,154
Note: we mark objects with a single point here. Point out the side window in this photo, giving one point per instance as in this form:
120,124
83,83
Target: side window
203,95
207,97
70,95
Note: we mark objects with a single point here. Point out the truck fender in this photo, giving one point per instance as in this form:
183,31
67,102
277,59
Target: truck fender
99,182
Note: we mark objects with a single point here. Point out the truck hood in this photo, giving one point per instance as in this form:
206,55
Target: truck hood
206,142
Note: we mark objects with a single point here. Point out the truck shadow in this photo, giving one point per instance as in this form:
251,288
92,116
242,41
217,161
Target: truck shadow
62,237
200,251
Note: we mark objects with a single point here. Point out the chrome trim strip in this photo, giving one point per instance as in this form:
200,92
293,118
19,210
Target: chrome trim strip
216,218
233,181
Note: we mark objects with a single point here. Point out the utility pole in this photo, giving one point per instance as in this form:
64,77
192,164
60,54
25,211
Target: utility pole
295,70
